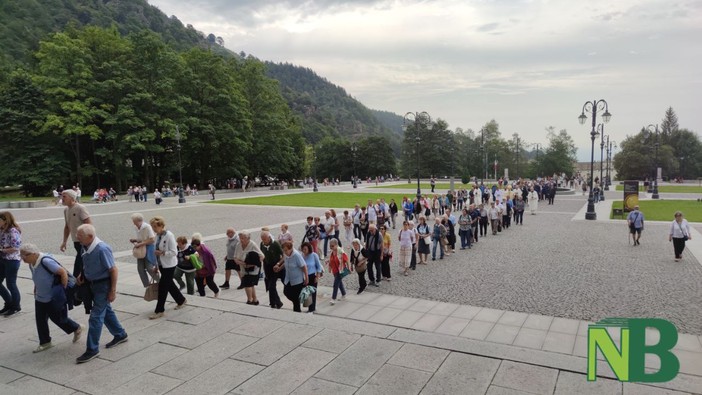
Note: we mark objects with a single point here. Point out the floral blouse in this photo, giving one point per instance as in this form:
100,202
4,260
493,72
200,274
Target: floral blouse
10,238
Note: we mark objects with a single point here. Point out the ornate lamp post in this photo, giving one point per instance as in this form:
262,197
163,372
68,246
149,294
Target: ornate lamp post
608,150
537,160
593,106
181,196
600,130
655,169
418,118
354,149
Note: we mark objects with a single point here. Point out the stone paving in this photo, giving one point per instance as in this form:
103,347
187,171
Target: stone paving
399,341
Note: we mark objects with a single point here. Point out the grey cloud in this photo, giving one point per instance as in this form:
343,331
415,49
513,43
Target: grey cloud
488,27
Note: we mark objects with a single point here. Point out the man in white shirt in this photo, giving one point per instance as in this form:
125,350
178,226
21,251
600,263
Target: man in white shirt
329,229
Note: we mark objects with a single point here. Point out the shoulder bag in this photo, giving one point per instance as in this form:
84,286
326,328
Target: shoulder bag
151,292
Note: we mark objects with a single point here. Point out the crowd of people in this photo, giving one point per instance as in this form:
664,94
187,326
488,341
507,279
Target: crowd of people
360,240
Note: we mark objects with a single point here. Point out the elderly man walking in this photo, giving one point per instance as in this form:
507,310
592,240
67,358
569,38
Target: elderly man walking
74,215
100,274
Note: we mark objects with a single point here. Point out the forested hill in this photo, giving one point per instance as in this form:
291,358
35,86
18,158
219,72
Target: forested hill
326,109
24,23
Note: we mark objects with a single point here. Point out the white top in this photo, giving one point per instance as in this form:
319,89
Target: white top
406,238
679,230
329,225
145,232
167,244
372,214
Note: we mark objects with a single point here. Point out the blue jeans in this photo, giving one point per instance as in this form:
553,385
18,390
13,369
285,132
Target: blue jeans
338,286
433,249
466,237
8,274
101,313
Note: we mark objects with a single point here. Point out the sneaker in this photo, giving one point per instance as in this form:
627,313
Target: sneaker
77,333
116,341
87,356
332,302
216,295
180,306
225,285
43,347
375,285
156,316
310,312
343,297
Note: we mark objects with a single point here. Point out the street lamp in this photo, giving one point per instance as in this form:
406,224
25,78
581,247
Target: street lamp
181,196
655,170
538,166
354,149
418,118
594,106
600,130
483,155
608,150
314,182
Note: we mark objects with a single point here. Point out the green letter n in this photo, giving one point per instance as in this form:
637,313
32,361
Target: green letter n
598,337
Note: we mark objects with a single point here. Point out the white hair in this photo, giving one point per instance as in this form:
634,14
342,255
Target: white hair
137,217
29,248
197,236
243,233
86,229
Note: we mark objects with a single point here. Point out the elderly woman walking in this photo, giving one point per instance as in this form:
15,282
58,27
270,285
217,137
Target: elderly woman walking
46,272
250,267
167,257
359,263
679,233
205,275
10,242
406,237
424,233
314,271
337,262
145,239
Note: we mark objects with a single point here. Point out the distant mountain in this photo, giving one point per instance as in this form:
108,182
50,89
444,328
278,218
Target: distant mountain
327,110
23,23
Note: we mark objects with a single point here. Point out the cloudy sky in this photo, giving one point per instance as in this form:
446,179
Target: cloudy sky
528,64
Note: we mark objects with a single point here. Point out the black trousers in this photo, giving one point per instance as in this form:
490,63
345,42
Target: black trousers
166,285
678,246
362,284
374,263
209,280
483,226
273,297
357,231
474,228
292,292
43,313
518,217
385,268
413,259
313,282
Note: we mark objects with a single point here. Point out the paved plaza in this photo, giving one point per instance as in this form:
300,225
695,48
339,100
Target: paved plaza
506,317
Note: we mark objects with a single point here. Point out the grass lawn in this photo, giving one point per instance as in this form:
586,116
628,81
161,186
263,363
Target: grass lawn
318,199
427,187
670,189
663,210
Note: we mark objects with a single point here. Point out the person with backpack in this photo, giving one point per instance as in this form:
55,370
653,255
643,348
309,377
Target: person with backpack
48,274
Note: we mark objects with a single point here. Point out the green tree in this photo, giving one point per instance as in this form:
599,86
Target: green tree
36,160
560,154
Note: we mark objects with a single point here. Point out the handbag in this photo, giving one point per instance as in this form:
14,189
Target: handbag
195,260
683,232
151,292
139,252
345,272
